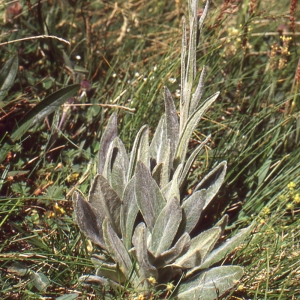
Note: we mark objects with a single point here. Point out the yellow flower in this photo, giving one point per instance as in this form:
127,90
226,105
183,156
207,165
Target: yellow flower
152,280
297,198
265,211
170,286
291,186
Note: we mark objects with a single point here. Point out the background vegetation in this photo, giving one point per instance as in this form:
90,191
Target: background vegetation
122,53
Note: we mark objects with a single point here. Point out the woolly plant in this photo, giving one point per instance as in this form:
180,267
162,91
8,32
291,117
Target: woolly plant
138,212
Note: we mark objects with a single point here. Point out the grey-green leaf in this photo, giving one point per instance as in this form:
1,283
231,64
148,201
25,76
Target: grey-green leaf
117,249
192,208
201,245
165,227
40,281
181,246
171,121
98,280
156,148
129,211
190,161
7,76
199,91
210,284
88,221
71,296
118,167
224,249
213,181
148,195
43,109
139,240
106,201
139,146
190,126
172,189
111,131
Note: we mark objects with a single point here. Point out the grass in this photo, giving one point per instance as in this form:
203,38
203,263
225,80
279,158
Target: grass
128,52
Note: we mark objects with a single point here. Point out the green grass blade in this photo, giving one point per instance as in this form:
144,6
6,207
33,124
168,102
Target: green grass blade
44,108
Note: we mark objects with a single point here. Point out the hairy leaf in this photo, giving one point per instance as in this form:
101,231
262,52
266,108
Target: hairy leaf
117,250
140,144
210,284
192,208
201,245
171,121
190,127
165,227
110,132
118,167
92,280
139,240
199,91
181,246
159,139
220,252
190,161
172,189
106,201
213,181
89,222
148,195
40,281
129,211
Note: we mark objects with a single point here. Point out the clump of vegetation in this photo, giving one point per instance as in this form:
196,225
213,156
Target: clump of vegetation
139,212
121,54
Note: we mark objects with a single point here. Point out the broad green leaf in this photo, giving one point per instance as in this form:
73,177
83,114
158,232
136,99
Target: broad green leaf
117,250
171,120
110,132
129,212
190,160
40,281
213,181
7,76
192,209
220,252
67,61
148,195
139,241
165,227
177,250
210,284
43,109
136,153
190,126
106,201
89,222
201,245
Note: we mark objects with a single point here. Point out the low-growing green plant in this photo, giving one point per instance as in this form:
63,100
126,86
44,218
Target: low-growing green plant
138,211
